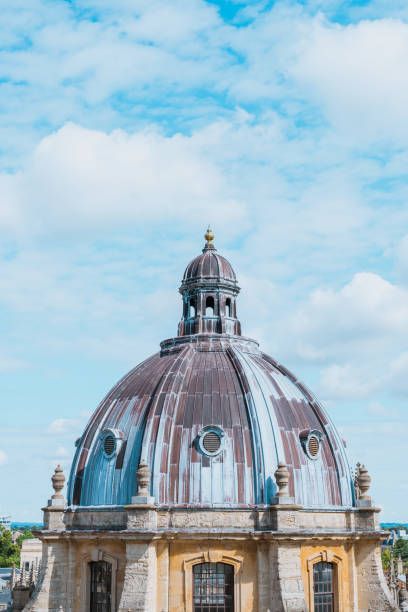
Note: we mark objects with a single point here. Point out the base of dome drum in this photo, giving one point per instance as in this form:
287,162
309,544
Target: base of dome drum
142,499
286,501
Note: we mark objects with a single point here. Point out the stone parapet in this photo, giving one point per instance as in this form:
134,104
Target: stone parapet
141,517
273,518
95,518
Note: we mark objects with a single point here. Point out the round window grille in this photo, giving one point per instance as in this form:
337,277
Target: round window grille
109,445
211,442
313,446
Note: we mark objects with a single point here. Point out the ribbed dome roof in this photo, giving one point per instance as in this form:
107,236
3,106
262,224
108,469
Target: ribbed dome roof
209,266
158,410
212,416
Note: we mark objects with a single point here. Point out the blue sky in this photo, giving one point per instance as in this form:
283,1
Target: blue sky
125,128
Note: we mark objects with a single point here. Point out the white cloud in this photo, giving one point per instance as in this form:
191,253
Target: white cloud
79,178
361,330
348,382
63,426
376,409
402,259
3,458
11,364
368,309
357,72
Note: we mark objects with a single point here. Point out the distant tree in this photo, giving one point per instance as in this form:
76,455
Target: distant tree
9,552
26,535
401,548
386,559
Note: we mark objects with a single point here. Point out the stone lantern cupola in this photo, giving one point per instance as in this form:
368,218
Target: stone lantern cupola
209,289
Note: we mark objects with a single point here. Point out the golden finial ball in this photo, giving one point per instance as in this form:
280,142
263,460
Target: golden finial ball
209,236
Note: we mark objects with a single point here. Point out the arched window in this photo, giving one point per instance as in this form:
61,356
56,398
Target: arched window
228,308
192,312
213,587
101,586
209,307
323,587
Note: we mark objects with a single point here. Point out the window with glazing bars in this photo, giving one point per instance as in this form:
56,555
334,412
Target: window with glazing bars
101,586
323,587
213,587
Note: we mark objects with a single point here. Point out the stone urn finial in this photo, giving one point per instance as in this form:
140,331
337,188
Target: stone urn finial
143,479
282,480
58,481
363,483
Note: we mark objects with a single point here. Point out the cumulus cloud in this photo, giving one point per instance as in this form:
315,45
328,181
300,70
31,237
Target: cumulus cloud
359,81
79,178
402,259
361,329
368,308
3,458
63,426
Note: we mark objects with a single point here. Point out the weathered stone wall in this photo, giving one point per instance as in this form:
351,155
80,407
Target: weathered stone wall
139,588
52,588
373,592
153,553
287,590
95,519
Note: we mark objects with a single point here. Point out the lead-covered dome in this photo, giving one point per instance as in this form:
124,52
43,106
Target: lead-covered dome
213,416
209,267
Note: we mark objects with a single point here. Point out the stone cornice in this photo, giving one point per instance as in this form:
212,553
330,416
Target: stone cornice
194,534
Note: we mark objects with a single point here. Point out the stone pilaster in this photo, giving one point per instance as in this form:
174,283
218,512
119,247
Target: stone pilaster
287,590
163,575
51,589
139,589
71,564
263,577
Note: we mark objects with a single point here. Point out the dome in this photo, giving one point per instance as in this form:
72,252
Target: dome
213,416
210,266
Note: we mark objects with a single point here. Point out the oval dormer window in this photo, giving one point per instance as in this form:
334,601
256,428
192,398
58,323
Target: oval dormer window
210,441
109,445
311,441
313,446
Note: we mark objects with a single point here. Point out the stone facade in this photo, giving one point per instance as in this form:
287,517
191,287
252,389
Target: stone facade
152,552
